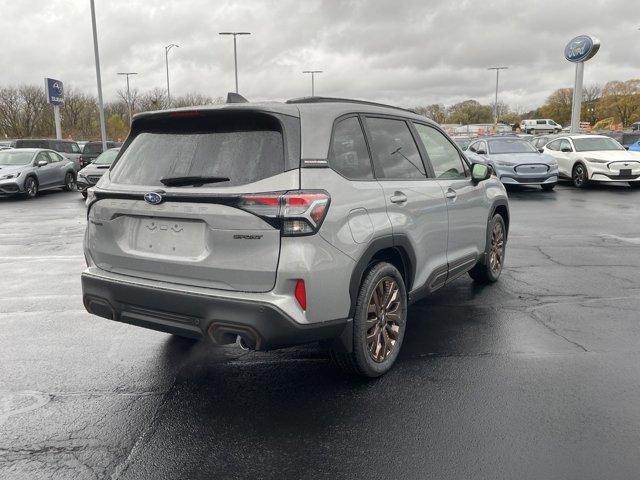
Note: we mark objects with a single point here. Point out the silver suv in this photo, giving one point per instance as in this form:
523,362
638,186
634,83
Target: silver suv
277,224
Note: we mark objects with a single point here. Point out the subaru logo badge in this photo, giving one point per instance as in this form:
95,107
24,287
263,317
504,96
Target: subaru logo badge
153,198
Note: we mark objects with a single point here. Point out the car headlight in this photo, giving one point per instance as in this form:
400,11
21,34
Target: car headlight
7,176
595,160
81,175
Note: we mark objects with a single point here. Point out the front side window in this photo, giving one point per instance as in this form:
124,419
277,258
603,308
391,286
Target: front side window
395,154
565,144
444,157
349,155
53,157
555,145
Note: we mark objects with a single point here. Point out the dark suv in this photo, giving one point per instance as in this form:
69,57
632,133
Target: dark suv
92,150
276,224
67,148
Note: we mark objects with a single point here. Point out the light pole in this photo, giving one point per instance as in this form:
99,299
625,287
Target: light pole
166,61
313,78
235,51
495,113
127,74
103,129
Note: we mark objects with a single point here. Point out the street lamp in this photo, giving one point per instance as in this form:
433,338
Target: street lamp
103,129
235,51
313,77
166,61
495,114
127,74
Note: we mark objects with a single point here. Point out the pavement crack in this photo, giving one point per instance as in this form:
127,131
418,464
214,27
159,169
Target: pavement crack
537,318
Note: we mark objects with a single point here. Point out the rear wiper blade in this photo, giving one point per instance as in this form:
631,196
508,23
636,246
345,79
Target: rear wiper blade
194,181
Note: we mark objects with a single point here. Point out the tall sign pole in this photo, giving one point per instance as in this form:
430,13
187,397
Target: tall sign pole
54,90
103,129
579,50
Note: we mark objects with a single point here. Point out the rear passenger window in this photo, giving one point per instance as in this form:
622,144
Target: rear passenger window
444,157
53,157
349,155
555,145
395,154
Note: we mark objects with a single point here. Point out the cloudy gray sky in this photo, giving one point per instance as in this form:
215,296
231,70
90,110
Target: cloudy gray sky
407,52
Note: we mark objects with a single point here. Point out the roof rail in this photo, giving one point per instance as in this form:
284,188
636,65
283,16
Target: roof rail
344,100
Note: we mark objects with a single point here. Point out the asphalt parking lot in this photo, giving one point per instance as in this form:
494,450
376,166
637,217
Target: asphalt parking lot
535,377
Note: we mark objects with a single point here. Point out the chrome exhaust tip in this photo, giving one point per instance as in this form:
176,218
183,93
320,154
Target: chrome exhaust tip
241,343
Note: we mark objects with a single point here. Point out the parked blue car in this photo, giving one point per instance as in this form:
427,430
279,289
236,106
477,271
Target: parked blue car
516,161
634,147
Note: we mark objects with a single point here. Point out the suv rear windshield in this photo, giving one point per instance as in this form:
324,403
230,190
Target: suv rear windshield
244,148
92,148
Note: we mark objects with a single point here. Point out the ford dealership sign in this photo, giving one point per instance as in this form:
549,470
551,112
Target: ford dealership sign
581,48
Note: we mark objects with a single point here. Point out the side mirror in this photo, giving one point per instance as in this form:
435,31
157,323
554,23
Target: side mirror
566,150
480,152
480,172
41,163
541,150
626,147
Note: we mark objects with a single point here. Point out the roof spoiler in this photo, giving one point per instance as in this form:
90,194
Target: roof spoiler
236,98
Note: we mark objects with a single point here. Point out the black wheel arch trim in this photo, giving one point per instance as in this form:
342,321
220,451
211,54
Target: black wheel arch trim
401,244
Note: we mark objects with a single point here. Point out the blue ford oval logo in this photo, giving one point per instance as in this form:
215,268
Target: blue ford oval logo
153,198
581,48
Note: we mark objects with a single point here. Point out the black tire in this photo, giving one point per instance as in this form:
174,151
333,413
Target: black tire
580,176
488,271
69,182
30,188
370,328
635,185
547,187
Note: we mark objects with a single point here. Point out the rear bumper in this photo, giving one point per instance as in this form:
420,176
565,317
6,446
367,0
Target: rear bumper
261,325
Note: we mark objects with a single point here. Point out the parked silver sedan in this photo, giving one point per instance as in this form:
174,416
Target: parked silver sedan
26,171
516,162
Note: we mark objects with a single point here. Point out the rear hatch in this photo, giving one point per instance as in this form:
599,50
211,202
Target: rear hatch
201,234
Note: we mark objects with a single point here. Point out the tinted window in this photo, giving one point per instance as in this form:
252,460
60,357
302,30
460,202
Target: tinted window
93,148
244,150
444,157
541,122
74,148
510,145
32,144
595,144
349,155
395,154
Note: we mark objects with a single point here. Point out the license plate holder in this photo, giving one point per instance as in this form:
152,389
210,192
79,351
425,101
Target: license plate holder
625,172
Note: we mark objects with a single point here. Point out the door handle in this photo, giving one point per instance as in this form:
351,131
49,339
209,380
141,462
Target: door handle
451,194
398,197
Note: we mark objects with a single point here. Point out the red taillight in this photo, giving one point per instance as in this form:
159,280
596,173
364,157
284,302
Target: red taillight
301,294
298,212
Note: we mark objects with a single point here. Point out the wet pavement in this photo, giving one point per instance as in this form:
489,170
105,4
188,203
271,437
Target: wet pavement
534,377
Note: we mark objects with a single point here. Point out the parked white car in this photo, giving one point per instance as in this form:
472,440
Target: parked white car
594,158
540,125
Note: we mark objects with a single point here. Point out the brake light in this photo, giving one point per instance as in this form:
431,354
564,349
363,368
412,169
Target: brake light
298,212
300,293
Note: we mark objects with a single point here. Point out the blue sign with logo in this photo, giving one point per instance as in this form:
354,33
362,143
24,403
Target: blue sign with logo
581,48
54,90
153,198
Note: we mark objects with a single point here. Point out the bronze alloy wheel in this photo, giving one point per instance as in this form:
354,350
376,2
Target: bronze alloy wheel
496,254
31,187
383,319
